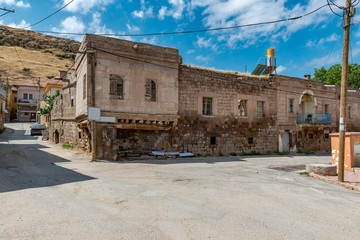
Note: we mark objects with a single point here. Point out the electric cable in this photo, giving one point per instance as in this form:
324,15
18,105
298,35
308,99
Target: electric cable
31,25
217,78
189,31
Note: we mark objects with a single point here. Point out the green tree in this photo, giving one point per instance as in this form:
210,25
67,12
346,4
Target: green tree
49,104
333,75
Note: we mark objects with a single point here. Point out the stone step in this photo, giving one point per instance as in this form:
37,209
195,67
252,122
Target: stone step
322,169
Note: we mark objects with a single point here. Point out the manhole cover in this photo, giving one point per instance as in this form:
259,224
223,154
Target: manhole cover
290,168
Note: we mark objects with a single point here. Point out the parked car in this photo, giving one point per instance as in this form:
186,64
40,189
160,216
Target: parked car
36,129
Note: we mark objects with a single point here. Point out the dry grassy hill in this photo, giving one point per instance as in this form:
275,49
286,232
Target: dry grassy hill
41,55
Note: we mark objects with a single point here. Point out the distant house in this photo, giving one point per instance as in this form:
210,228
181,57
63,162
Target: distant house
12,102
3,96
50,89
28,97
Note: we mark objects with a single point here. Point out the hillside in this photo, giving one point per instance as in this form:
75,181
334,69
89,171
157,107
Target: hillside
41,55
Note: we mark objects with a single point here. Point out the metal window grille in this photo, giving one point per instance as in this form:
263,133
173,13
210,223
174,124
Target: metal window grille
207,106
291,105
117,86
260,109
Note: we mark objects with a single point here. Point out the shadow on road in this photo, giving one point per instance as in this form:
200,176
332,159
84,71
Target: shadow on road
25,165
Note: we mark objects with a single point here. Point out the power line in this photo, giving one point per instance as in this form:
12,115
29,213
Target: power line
191,31
50,15
7,11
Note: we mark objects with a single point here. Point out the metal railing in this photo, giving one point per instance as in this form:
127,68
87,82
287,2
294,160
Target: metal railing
313,118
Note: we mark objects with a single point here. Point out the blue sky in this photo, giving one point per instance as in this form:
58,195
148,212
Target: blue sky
300,46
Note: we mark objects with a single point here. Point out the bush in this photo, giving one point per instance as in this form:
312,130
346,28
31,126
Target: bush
67,146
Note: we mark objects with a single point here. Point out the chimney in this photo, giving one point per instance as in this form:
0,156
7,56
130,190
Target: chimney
307,77
62,74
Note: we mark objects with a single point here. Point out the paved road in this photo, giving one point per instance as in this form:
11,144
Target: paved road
50,193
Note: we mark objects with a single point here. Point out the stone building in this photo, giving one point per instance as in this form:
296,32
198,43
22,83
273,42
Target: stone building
3,107
129,96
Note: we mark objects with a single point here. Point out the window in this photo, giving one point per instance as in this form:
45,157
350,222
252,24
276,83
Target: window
212,140
311,136
207,106
243,108
349,112
260,109
250,140
117,86
25,96
291,105
72,102
150,90
30,96
84,86
15,99
326,108
326,135
79,134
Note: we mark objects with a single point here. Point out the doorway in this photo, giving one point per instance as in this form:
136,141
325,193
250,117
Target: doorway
56,137
285,141
32,117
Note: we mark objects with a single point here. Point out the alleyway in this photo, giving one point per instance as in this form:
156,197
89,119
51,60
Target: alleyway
50,193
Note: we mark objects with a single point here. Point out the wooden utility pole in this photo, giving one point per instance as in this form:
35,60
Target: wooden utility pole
343,96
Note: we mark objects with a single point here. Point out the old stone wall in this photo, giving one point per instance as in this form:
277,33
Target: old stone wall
326,99
64,128
225,131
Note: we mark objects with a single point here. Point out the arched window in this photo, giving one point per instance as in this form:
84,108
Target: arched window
116,86
150,90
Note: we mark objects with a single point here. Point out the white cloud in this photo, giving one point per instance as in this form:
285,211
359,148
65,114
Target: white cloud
85,5
332,38
132,28
219,13
204,59
15,3
201,42
144,12
280,69
176,10
325,60
71,24
190,51
22,24
151,40
96,26
22,4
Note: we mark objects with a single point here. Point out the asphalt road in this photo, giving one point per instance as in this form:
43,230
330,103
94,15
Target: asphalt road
50,193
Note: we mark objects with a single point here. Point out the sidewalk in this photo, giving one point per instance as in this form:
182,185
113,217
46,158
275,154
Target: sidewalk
351,180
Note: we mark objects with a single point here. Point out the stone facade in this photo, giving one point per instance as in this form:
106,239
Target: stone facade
64,127
149,100
3,107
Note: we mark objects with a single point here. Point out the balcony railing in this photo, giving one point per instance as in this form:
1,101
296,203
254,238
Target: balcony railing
313,118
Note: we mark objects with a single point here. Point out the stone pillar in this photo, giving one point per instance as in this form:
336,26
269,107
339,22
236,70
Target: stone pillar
93,139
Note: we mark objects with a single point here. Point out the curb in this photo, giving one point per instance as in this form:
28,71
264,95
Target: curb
342,184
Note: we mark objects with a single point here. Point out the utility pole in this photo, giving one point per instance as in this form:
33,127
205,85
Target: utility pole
7,11
344,79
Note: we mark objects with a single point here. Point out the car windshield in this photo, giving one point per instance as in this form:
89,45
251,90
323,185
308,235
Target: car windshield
37,126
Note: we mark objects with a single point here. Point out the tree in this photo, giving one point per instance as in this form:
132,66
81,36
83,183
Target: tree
49,104
333,75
